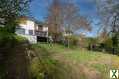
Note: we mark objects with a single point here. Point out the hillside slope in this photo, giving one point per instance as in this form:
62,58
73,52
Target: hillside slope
80,63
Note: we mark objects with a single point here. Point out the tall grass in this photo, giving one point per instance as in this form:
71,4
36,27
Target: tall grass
44,66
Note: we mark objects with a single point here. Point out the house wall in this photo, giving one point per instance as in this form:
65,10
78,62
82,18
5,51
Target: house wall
28,29
42,30
2,22
45,29
30,25
31,39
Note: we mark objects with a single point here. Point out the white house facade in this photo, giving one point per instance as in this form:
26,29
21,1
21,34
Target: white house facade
31,30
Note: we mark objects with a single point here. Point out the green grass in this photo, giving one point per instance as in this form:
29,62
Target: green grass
45,63
97,61
50,47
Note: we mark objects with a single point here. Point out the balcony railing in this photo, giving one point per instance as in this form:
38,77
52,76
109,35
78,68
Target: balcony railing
41,33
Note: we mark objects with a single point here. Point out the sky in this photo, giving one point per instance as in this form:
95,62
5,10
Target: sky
38,10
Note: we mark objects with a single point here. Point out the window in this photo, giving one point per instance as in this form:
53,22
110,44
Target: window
30,32
20,31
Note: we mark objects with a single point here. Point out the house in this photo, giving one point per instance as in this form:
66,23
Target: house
41,31
2,22
33,30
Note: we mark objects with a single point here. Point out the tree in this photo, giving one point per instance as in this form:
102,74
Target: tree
109,10
72,19
10,10
54,16
65,14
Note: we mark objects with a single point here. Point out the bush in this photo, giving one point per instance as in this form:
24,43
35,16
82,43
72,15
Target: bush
6,39
110,46
43,66
20,39
9,39
71,40
108,43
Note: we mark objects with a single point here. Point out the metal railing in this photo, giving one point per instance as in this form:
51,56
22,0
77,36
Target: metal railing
41,34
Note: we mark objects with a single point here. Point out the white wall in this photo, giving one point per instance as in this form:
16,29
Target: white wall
45,29
32,39
30,25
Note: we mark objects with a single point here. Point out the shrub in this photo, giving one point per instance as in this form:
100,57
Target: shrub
43,66
20,39
9,39
6,39
71,40
108,43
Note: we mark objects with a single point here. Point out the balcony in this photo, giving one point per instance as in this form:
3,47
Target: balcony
41,33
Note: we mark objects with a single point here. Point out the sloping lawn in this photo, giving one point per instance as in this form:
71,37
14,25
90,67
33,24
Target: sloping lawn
83,64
